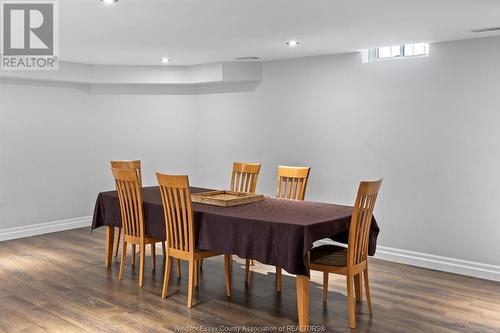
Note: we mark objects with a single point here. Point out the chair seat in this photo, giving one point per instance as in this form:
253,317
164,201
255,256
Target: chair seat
206,253
137,240
330,255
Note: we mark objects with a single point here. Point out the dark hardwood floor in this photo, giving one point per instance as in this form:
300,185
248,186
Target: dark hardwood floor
58,283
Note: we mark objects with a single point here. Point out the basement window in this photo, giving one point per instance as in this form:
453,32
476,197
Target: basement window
388,52
395,52
418,49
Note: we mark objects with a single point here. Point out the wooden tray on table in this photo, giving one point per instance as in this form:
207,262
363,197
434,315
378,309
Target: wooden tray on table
225,198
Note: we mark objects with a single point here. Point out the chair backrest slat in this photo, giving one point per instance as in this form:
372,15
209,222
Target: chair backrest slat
291,182
171,239
244,177
359,229
130,197
178,212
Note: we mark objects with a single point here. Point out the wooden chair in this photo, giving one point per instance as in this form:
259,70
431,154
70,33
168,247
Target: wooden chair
244,177
180,229
131,208
291,184
126,164
136,166
353,260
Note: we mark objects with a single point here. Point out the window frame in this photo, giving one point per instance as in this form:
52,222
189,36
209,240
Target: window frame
400,55
373,54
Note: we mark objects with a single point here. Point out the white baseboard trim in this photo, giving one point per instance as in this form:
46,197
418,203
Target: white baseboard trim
446,264
44,228
439,263
419,259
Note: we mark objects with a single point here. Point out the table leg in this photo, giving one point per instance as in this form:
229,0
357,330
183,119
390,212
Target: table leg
110,237
302,285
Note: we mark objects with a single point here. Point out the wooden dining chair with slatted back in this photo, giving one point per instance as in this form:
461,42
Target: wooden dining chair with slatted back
181,236
353,260
126,164
291,183
244,179
136,166
131,209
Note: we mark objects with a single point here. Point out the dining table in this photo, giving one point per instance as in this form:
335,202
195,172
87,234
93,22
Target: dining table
273,231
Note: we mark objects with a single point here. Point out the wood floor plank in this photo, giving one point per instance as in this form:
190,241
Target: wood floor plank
36,318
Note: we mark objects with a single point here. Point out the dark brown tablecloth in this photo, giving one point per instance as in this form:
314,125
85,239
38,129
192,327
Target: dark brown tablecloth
277,232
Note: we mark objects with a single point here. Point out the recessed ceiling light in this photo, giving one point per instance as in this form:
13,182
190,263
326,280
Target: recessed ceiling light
165,60
109,2
292,43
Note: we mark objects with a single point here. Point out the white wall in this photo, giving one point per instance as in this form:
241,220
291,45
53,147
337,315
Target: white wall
44,153
157,129
429,126
56,141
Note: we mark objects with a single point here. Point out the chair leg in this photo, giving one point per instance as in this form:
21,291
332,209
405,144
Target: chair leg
133,254
142,256
247,270
196,272
201,264
191,283
278,279
122,260
252,262
164,249
367,290
350,300
358,288
178,268
117,241
325,286
153,255
166,278
228,268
